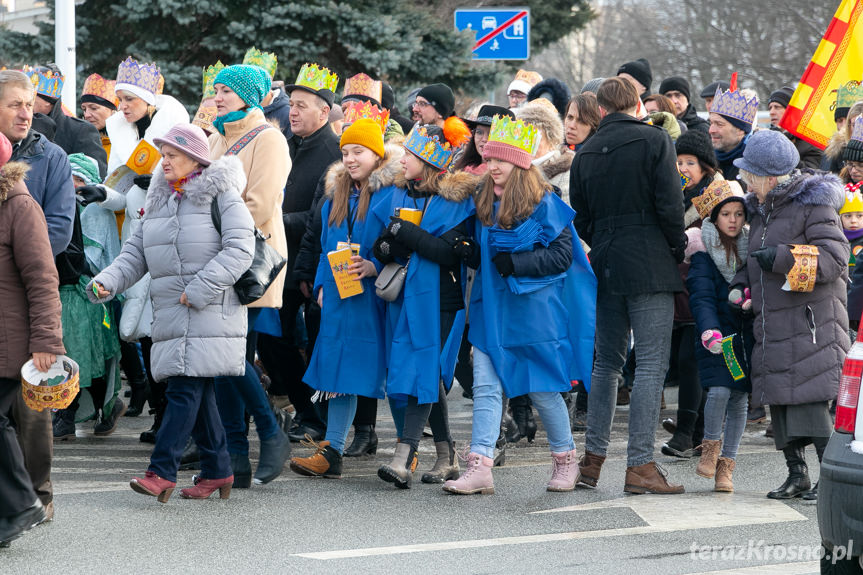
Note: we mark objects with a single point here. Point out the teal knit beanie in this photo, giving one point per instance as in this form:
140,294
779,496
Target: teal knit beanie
85,168
250,83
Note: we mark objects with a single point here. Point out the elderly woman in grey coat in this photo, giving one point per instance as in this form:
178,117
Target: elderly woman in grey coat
199,325
797,271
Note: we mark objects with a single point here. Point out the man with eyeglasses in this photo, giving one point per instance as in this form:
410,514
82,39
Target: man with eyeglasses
434,104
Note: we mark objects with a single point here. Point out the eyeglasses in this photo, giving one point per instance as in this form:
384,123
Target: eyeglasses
856,166
422,103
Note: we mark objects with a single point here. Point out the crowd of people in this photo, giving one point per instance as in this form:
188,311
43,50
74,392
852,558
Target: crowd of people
292,254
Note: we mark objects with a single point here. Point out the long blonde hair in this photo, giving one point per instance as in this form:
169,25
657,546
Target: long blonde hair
522,192
342,194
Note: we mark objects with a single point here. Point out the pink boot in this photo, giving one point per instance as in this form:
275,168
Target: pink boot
477,478
564,471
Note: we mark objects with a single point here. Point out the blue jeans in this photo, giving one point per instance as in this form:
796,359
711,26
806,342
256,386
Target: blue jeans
728,406
488,404
191,410
649,317
237,394
340,415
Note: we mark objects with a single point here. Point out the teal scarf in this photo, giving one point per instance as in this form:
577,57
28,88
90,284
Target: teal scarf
219,123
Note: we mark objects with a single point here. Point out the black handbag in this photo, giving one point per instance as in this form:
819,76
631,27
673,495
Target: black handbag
266,264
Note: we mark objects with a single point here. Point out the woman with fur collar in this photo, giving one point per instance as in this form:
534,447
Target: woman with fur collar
199,324
797,271
833,160
552,158
425,323
349,358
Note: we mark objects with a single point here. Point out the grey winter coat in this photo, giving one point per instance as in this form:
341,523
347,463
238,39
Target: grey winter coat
180,247
800,338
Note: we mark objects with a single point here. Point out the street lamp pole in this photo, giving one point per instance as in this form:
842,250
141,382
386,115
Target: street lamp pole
64,48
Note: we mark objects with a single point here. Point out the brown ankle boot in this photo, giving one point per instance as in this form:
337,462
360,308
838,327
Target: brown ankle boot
324,462
724,469
649,478
709,455
588,469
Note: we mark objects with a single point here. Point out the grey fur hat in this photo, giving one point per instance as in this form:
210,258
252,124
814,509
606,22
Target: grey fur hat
768,153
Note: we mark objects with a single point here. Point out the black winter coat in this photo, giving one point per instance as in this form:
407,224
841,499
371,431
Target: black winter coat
625,190
310,158
280,110
693,121
77,136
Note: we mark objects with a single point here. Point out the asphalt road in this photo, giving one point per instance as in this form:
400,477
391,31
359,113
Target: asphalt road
359,524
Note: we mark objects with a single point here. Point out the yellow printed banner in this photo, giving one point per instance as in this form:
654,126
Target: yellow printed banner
837,61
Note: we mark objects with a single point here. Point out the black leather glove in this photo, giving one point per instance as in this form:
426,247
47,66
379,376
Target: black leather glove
89,194
464,248
143,182
408,233
387,248
766,257
503,263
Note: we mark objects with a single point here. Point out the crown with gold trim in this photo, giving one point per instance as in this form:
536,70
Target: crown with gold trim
148,77
734,104
717,192
266,60
46,82
96,85
853,200
428,148
515,133
210,73
849,94
363,85
317,78
356,109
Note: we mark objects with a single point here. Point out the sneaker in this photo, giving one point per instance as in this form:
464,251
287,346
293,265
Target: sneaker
107,425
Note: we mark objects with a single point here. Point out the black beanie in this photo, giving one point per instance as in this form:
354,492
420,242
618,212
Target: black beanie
697,143
840,113
388,97
441,97
710,90
782,96
853,151
640,70
675,83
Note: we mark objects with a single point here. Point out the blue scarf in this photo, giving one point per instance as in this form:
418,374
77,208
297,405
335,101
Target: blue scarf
219,123
737,152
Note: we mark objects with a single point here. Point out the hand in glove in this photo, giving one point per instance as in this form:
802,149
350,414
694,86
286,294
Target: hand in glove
712,341
740,298
143,182
766,257
408,233
464,248
503,263
89,194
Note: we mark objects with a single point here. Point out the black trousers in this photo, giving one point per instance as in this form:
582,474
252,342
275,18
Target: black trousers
16,491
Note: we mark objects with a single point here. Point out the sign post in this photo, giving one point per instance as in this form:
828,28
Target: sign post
501,33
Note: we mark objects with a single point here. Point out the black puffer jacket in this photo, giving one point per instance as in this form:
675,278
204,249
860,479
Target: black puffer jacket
693,121
77,136
800,338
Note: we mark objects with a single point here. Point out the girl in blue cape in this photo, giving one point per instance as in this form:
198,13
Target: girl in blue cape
349,358
426,321
532,306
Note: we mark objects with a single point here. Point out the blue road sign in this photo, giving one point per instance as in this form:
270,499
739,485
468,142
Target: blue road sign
501,33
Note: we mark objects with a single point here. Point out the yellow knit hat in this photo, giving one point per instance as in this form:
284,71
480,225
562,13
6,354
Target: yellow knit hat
365,132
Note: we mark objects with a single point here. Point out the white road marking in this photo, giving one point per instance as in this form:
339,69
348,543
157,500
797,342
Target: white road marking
692,511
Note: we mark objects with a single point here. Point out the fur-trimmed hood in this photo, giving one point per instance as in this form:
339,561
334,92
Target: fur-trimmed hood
557,164
11,174
807,188
836,145
222,175
454,187
384,176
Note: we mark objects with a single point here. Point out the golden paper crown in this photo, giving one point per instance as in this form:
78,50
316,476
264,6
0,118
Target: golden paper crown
266,60
514,133
317,78
356,109
849,94
204,118
363,85
144,76
717,192
853,202
210,73
429,148
45,81
96,85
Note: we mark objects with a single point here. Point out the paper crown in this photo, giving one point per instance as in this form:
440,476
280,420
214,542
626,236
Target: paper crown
266,60
316,78
857,129
45,81
853,200
717,192
430,149
363,85
735,105
355,109
210,73
144,76
96,85
529,76
516,133
849,93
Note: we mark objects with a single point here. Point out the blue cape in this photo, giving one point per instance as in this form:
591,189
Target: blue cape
350,353
539,338
413,320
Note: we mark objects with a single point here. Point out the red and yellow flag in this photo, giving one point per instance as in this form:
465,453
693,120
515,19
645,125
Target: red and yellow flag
838,59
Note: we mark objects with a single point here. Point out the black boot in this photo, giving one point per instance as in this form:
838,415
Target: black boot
820,445
158,404
64,424
137,379
191,458
523,416
798,474
680,444
149,436
242,470
365,442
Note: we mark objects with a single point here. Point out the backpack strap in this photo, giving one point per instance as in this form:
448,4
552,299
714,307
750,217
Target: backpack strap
245,140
